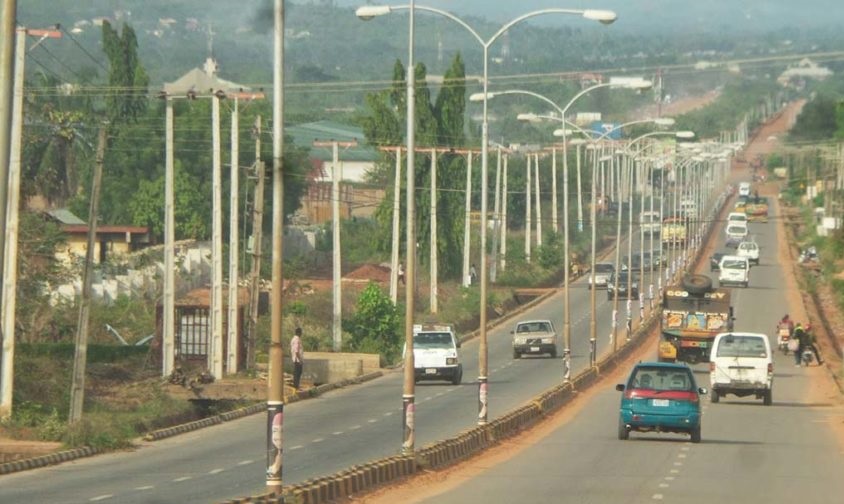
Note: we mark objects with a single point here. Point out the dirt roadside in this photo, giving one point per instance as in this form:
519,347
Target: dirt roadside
823,388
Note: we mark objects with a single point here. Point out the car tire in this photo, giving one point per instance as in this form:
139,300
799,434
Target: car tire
516,354
697,284
714,396
695,432
458,376
623,433
768,398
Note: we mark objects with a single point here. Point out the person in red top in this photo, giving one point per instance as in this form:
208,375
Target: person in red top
297,354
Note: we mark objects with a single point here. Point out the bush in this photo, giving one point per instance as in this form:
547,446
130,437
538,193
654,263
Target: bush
374,327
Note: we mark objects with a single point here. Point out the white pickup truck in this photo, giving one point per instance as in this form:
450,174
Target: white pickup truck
435,355
534,337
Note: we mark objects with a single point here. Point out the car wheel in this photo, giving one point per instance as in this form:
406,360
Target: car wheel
695,434
458,376
768,399
623,433
516,354
715,396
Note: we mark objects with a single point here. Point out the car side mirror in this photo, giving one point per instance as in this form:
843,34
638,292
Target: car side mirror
702,391
620,387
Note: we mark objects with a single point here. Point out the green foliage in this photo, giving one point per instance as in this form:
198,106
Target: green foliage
374,327
126,73
817,120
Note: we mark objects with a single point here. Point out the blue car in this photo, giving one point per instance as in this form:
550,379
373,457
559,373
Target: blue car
660,397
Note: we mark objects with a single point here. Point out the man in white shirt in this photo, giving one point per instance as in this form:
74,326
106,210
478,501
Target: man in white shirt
297,354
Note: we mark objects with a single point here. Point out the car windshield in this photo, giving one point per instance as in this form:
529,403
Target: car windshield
655,378
737,230
748,246
742,346
533,327
734,264
604,268
432,340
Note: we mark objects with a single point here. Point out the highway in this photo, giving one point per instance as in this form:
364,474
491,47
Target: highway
749,454
322,435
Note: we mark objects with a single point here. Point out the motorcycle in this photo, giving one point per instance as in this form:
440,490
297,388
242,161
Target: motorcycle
783,336
809,255
807,357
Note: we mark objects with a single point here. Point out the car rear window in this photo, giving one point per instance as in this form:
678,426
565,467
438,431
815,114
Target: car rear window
734,264
604,268
432,340
534,327
661,379
742,346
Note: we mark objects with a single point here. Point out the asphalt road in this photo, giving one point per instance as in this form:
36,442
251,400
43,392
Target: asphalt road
750,453
322,435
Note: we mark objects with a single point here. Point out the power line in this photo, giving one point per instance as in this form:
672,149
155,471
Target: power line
73,39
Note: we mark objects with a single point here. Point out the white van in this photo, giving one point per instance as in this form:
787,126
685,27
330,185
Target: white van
736,217
651,222
736,233
435,354
741,364
734,270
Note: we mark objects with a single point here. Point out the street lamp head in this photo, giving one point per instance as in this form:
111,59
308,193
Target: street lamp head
685,135
602,16
563,132
577,141
664,121
368,12
479,97
637,83
528,117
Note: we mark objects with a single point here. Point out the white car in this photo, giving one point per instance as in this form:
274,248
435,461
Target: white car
741,364
534,337
750,250
736,217
435,354
734,270
650,222
744,189
736,233
601,275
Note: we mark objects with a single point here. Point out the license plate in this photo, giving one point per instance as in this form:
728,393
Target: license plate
431,371
660,402
534,349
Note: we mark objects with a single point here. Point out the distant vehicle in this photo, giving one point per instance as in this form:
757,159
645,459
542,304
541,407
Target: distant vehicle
750,250
715,261
757,209
744,189
435,353
601,275
639,261
734,270
736,233
693,313
650,222
736,217
742,364
673,231
660,397
624,277
534,337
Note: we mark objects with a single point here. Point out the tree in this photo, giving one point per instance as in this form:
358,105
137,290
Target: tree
374,327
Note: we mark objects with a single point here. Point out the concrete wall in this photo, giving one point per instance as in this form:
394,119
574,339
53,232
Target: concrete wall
330,367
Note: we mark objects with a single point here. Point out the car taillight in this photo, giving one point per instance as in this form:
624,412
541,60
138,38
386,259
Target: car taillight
711,367
770,368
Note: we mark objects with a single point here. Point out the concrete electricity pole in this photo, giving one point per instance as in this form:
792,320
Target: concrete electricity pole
504,214
257,231
394,253
433,256
232,347
215,347
168,349
275,385
528,223
7,70
496,216
538,202
77,386
467,224
335,234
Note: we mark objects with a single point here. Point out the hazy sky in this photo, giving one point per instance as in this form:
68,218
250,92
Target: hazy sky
669,15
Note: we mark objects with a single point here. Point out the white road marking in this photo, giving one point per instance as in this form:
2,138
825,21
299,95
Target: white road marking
685,448
674,471
669,478
215,471
145,487
681,455
664,485
183,478
354,427
389,413
337,433
372,420
244,462
101,497
657,497
295,447
318,440
678,463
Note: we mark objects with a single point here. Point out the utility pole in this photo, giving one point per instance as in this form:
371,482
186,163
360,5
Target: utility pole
335,234
7,72
11,163
215,347
433,257
168,349
232,347
504,214
538,202
528,223
257,231
275,386
496,216
554,221
467,224
77,387
394,251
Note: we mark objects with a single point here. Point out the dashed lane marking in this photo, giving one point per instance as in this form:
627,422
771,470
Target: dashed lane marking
669,478
681,455
678,463
318,440
295,447
337,433
245,462
145,487
354,427
664,485
657,497
101,497
674,471
215,471
183,478
372,420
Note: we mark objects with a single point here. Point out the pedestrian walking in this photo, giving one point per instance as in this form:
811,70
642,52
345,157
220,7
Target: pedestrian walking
473,274
400,273
297,354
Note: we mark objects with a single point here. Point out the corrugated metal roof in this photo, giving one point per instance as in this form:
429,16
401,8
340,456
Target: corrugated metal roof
65,216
